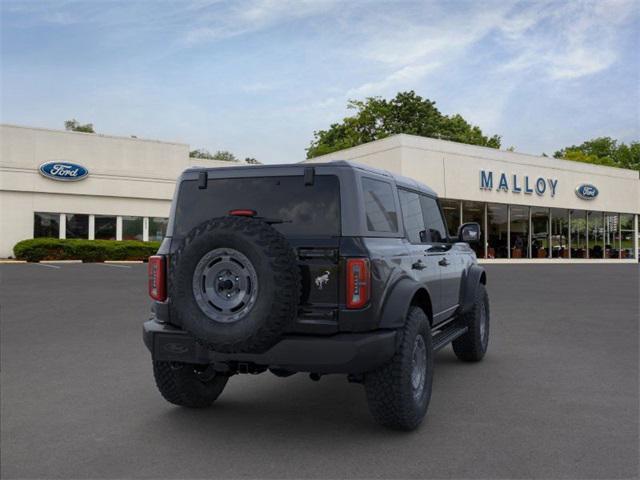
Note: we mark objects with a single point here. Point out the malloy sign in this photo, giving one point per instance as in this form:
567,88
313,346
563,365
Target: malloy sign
518,183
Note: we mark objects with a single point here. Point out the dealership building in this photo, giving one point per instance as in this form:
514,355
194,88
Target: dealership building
531,209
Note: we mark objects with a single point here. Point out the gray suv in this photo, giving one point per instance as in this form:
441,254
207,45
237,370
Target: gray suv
319,268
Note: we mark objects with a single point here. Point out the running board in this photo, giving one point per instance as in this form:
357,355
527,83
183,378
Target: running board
447,335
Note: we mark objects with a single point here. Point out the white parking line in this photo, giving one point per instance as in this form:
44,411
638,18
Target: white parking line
47,265
114,265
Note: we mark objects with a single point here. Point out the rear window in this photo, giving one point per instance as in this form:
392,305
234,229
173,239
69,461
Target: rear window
306,210
379,205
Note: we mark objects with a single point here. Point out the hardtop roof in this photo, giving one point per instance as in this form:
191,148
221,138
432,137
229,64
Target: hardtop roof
400,180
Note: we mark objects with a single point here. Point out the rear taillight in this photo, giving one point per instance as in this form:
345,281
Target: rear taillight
242,212
358,282
157,280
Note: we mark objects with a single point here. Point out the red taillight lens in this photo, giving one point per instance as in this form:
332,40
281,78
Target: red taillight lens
241,212
157,280
358,282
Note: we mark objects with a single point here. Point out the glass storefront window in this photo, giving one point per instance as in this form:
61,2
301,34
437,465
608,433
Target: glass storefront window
539,232
611,235
559,233
497,231
46,225
626,237
157,228
519,231
77,226
595,238
578,234
105,226
474,212
451,209
132,228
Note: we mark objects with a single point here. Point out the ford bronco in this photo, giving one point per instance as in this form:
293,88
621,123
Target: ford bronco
321,268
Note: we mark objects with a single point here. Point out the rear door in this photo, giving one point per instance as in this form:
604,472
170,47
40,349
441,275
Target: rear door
306,212
424,264
442,251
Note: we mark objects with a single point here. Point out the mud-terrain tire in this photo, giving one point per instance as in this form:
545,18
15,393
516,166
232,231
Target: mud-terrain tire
269,284
472,346
183,384
396,398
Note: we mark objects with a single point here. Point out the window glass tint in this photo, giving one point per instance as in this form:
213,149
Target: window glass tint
611,235
436,231
539,232
157,228
578,234
519,231
412,215
303,209
132,228
46,225
626,228
105,227
559,233
451,209
474,212
595,234
497,228
77,226
379,206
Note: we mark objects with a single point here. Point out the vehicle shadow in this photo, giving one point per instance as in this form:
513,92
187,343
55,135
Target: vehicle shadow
286,409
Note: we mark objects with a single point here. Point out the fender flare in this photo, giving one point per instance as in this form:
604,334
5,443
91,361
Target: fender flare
475,276
397,303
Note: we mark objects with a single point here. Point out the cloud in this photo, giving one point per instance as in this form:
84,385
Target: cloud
402,78
565,41
251,16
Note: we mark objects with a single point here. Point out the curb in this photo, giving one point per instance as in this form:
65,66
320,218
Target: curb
123,261
60,261
9,261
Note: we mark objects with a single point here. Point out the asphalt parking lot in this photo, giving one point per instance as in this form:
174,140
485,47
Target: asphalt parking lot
556,397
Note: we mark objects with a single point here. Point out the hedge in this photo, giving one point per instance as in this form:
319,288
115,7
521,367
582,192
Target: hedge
37,249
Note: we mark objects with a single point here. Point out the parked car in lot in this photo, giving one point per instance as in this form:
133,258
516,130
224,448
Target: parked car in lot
324,268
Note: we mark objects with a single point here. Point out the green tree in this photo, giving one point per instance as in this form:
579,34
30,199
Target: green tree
377,118
222,155
604,151
74,126
201,153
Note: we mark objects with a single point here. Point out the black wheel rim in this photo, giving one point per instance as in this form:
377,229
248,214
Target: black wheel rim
225,285
418,367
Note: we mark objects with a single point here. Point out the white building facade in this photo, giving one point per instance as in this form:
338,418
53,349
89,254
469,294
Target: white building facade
531,208
126,193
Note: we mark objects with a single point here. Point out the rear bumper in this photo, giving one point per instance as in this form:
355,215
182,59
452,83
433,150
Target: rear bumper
340,353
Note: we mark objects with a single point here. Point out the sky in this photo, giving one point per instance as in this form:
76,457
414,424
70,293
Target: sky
258,77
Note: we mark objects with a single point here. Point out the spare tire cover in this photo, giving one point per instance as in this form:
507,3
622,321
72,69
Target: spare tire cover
235,284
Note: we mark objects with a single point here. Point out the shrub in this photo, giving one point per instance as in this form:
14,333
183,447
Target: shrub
37,249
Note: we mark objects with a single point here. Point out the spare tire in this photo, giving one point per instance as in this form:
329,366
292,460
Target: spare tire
235,284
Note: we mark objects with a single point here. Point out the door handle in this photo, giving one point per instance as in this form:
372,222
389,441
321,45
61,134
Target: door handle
418,265
444,262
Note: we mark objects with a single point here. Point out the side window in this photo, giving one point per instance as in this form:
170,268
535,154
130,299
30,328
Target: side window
380,208
436,231
412,215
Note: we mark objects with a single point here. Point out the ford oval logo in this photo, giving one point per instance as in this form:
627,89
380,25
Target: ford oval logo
64,171
586,191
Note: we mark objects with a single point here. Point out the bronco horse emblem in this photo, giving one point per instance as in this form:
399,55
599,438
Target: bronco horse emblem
322,280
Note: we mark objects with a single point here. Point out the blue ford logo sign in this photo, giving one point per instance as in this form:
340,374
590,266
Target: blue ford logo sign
586,191
64,171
